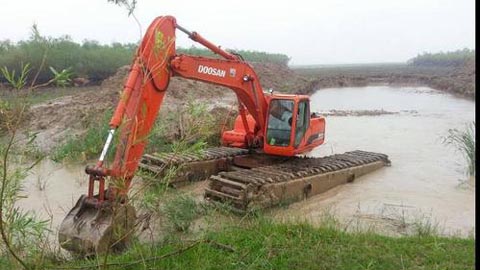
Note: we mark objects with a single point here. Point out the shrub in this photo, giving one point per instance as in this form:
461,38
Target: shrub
464,141
181,211
87,146
444,59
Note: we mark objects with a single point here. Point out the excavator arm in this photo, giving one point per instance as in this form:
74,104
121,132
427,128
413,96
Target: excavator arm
145,88
155,63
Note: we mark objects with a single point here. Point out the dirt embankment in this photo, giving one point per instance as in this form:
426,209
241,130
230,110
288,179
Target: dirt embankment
458,81
280,78
59,118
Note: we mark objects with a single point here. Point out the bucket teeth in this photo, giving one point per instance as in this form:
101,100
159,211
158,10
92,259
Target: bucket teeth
87,230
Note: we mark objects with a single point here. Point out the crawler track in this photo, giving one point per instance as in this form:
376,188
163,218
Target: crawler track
190,167
290,181
247,180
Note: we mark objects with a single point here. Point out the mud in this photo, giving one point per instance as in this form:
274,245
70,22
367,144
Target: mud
424,183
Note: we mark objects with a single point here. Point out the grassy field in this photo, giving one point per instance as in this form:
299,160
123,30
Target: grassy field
263,244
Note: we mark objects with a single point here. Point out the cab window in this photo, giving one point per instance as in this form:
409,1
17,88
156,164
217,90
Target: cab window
280,122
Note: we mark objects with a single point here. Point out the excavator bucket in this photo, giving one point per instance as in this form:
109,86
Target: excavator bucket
88,230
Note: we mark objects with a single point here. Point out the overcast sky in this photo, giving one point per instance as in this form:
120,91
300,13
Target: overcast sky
310,32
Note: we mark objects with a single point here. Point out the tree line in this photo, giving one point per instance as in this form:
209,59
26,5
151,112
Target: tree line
248,55
443,59
89,59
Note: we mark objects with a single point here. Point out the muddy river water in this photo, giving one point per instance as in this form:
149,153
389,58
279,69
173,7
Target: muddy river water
423,183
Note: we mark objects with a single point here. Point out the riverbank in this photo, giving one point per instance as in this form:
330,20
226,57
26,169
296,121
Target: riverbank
457,81
259,243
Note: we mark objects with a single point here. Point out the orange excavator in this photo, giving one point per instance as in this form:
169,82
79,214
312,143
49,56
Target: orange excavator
258,162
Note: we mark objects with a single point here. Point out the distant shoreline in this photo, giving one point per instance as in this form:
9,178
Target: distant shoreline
459,81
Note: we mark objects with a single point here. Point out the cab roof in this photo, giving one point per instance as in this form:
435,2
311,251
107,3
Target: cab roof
286,96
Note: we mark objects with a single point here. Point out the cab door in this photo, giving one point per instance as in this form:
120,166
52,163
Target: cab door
302,122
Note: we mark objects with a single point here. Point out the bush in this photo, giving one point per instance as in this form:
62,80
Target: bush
85,147
90,59
251,56
181,211
444,59
464,141
189,129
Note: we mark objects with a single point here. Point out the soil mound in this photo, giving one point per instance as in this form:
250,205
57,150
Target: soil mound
279,78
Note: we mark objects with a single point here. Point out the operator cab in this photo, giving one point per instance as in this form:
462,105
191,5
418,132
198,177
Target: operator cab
280,118
290,127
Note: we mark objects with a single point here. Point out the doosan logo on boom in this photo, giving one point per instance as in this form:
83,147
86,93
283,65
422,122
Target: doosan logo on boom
211,71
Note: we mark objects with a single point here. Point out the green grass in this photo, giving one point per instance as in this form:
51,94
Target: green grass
89,145
86,147
180,212
263,244
192,127
464,142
